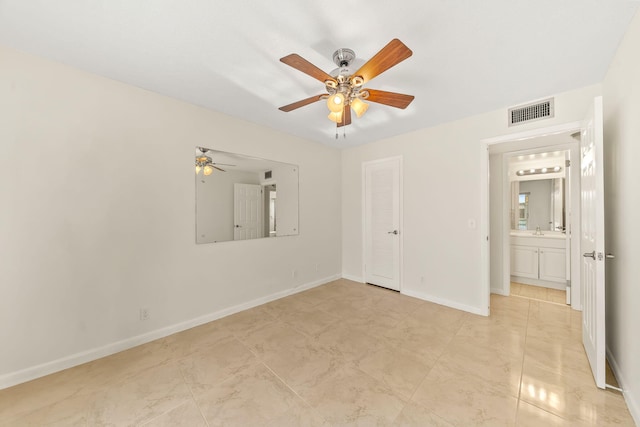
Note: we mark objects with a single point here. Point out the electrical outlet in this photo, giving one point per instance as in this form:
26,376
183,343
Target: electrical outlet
144,314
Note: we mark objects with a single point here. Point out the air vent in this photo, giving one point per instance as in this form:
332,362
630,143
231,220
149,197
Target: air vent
267,175
531,112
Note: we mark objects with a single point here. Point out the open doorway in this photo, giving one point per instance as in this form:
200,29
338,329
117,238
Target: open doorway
535,245
540,216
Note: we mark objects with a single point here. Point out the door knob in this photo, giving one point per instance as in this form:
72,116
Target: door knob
590,255
610,256
392,232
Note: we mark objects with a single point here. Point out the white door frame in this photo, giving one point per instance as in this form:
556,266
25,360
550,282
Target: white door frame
400,216
484,194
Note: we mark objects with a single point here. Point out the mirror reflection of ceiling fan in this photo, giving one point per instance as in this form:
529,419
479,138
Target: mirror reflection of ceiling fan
205,164
345,88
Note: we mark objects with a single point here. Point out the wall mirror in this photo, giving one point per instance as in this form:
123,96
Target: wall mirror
240,197
538,203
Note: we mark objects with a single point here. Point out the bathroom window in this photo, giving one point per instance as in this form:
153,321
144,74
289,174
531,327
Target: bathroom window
523,211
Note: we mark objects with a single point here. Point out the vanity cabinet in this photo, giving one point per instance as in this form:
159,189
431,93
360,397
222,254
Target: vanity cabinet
524,261
540,260
552,265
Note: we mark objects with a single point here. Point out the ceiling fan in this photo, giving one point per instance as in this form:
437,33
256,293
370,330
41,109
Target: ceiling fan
205,164
344,87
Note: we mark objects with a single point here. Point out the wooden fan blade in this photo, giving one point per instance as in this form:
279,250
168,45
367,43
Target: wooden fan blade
301,103
346,116
392,54
299,63
215,167
222,164
392,99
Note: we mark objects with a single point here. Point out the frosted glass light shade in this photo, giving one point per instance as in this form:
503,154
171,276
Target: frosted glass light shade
198,168
208,170
359,107
335,103
335,117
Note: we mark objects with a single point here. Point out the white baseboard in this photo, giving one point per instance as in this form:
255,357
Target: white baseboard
499,291
446,302
632,401
33,372
354,278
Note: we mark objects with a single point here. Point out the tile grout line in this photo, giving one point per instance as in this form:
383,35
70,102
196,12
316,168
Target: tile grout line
523,358
193,398
294,392
427,374
524,352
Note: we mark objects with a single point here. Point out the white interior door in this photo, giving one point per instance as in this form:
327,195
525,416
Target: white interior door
382,223
247,211
592,241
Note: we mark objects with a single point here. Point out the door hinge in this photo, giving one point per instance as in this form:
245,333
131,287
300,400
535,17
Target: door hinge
567,163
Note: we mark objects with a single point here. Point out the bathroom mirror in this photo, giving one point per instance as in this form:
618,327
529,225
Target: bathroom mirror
538,203
240,197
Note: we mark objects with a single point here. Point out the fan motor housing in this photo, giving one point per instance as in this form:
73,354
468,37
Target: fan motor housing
343,57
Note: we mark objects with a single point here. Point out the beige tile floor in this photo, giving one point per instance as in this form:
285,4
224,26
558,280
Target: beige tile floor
340,354
539,293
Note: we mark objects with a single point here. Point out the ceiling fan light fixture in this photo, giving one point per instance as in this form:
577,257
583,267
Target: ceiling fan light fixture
344,84
198,168
335,116
207,170
335,103
359,107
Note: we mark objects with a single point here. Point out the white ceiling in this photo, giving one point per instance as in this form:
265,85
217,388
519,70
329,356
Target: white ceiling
469,56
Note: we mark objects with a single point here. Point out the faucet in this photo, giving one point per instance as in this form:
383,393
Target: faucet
538,232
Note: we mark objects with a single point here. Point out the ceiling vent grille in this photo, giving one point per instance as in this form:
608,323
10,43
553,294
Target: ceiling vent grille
531,112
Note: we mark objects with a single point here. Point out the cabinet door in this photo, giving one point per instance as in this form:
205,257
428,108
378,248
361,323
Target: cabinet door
553,265
524,261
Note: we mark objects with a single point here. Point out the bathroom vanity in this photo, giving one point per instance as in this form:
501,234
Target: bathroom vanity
539,259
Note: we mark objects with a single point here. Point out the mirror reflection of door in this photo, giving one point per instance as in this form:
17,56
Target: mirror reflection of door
247,211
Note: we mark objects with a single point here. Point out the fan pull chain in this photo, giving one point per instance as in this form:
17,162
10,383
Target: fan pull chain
336,130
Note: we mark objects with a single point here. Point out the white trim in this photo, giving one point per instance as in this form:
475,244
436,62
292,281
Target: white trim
353,278
485,244
506,225
445,302
533,133
499,291
33,372
632,404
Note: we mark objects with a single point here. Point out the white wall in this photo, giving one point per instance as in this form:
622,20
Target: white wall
97,217
622,206
442,167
